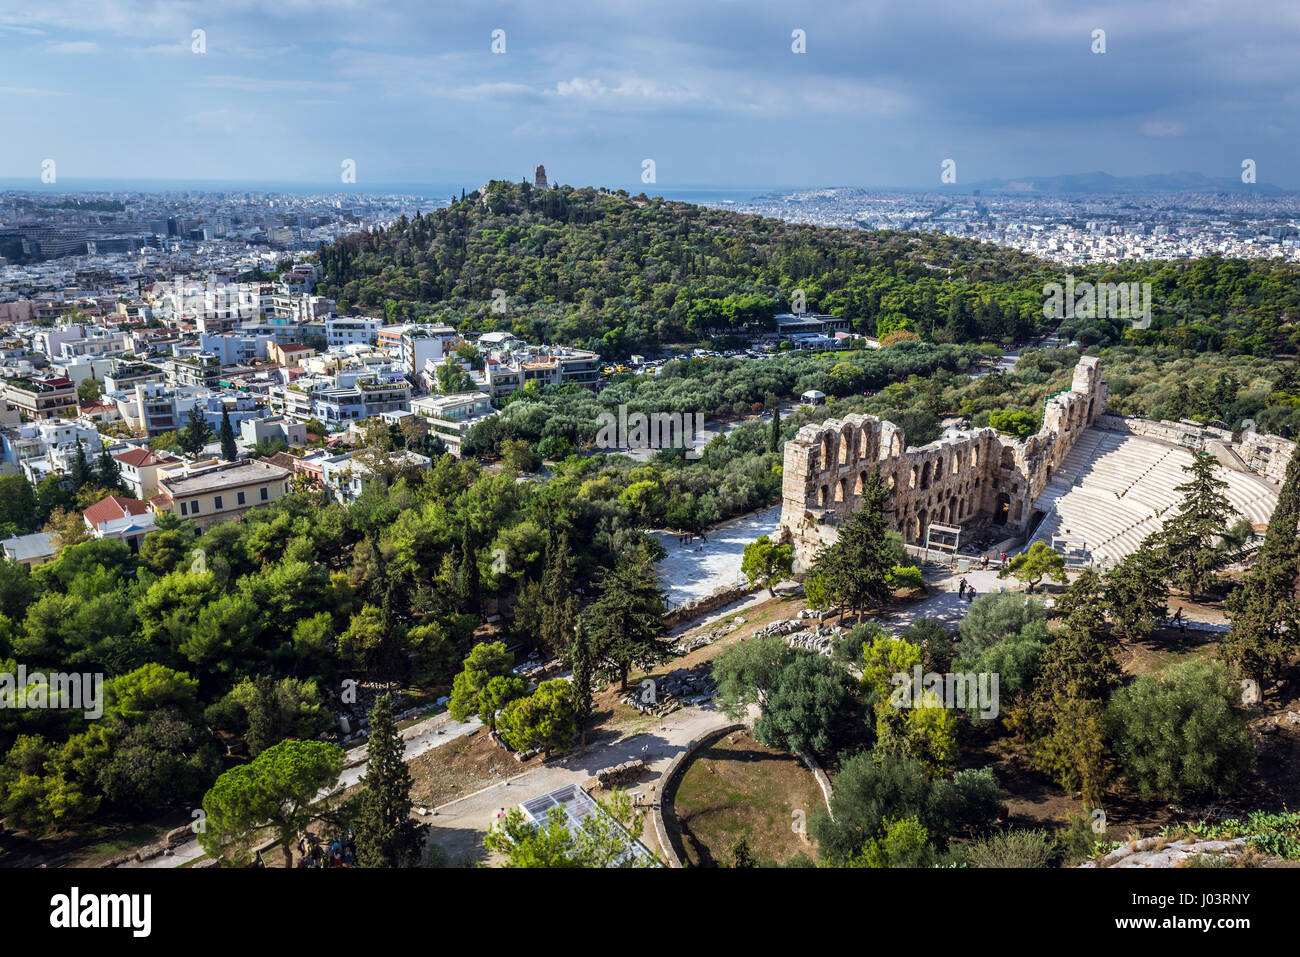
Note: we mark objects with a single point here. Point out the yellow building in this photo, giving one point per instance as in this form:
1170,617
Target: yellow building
208,494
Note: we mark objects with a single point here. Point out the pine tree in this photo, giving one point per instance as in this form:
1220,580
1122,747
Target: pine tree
1189,537
1081,605
386,836
626,620
195,433
228,450
1135,595
859,562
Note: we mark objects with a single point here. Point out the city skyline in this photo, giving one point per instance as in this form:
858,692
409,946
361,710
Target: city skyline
713,94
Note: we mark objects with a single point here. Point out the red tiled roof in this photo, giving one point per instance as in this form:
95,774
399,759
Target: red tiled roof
114,506
138,458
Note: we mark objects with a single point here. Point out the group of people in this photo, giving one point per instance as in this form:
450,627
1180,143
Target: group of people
965,590
686,541
340,852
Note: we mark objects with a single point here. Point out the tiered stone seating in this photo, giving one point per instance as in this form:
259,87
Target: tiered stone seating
1112,491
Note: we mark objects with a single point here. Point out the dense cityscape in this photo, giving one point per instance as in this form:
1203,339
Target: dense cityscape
411,465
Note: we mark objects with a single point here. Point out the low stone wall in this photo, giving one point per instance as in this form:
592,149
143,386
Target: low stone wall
702,606
667,784
823,781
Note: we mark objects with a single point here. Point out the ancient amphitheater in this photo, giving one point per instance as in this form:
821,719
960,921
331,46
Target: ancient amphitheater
1098,480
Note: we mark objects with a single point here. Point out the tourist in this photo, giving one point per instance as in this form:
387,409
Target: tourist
984,561
961,588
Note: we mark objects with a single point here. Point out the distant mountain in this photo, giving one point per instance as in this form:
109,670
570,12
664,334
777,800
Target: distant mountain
1100,182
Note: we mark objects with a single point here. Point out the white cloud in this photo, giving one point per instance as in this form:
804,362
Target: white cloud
1162,128
75,47
28,91
632,88
264,86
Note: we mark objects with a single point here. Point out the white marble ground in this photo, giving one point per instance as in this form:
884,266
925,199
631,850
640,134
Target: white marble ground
692,572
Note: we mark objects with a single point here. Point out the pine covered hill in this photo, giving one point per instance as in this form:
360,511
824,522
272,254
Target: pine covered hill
619,274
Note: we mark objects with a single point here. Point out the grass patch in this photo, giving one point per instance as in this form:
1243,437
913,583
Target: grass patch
739,788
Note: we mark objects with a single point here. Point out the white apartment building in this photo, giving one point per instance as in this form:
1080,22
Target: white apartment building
351,331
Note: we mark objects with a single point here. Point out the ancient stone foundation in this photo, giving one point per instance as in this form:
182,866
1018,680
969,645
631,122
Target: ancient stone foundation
976,479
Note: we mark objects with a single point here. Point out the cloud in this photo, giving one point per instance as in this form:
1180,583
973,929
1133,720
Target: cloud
635,88
227,121
75,47
264,86
28,91
1162,128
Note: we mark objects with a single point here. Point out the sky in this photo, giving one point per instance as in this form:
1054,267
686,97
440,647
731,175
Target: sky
710,90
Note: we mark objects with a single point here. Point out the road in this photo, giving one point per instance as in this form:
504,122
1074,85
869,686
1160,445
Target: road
459,826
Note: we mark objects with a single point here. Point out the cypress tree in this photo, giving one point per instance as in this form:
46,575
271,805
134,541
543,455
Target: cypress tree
1264,610
468,583
559,609
110,472
386,836
774,437
584,658
82,474
228,450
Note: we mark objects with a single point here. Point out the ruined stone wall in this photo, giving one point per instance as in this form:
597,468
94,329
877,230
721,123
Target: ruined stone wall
1268,455
970,478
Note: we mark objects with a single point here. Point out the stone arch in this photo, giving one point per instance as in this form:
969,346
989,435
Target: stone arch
895,444
912,483
922,522
1002,511
1008,457
848,451
841,489
925,475
974,457
824,496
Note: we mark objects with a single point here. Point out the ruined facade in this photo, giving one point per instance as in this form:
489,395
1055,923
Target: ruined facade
977,479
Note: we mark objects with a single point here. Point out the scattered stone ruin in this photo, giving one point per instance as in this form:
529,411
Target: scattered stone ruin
977,479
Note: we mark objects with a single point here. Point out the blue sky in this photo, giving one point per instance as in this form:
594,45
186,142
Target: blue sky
708,89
